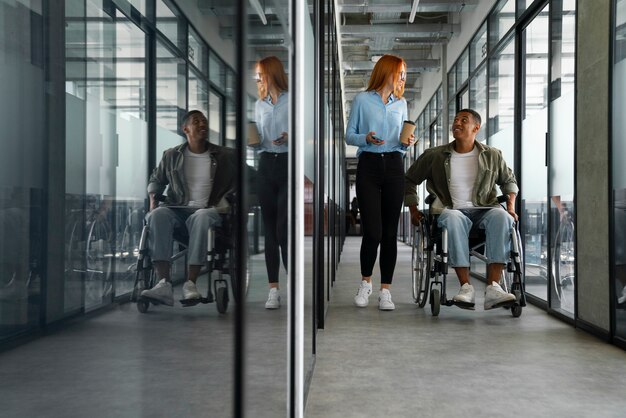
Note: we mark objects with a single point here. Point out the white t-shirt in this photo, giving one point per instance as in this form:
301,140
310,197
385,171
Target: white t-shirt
463,171
197,169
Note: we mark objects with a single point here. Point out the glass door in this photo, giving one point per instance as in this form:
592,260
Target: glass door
561,156
619,172
534,179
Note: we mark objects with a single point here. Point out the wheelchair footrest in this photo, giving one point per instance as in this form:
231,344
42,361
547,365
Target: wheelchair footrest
464,305
152,300
505,305
194,302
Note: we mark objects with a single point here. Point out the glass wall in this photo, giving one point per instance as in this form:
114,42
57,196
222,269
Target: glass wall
561,153
22,165
544,87
501,132
534,182
267,374
619,171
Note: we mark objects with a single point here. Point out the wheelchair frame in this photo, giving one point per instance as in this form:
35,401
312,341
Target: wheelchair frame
429,260
219,257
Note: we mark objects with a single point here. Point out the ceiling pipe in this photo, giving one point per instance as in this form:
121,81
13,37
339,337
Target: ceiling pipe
413,10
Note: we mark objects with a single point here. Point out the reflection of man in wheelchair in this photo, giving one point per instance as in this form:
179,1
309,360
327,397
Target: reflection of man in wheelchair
200,176
463,175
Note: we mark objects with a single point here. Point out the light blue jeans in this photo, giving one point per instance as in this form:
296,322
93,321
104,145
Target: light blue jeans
163,221
497,224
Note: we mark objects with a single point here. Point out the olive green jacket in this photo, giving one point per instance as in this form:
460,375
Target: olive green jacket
170,173
434,167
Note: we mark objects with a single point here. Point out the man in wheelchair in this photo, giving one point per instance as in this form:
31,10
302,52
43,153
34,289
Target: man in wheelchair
200,176
463,175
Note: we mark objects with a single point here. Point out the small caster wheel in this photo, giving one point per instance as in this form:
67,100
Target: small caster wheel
221,299
516,310
142,305
435,302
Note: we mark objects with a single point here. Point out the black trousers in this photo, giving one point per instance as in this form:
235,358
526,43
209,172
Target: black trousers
272,182
380,192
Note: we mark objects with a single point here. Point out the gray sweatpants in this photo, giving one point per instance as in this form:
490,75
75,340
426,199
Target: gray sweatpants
163,221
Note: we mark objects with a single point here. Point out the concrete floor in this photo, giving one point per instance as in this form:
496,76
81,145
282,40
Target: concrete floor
178,362
463,363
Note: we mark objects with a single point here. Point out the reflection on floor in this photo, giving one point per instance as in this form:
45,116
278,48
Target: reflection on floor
478,363
169,362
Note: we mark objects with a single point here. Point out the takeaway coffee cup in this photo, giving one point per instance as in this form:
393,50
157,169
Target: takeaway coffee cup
408,127
253,134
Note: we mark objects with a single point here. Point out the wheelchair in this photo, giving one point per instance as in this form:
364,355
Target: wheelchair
220,258
429,263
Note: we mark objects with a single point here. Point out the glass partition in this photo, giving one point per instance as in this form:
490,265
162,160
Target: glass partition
534,215
562,134
106,146
478,99
478,47
619,170
169,23
171,98
501,19
502,101
268,302
23,176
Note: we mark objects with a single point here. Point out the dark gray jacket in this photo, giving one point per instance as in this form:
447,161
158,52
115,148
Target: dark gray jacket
170,172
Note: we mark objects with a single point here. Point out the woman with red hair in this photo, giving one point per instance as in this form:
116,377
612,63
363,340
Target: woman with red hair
374,126
272,119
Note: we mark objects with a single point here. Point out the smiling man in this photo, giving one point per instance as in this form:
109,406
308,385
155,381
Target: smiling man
463,174
200,176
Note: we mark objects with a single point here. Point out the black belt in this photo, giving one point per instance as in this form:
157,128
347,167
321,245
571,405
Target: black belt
381,154
273,154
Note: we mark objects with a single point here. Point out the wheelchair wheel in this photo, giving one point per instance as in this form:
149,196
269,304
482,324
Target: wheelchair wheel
99,261
221,299
435,302
234,279
420,265
563,256
516,310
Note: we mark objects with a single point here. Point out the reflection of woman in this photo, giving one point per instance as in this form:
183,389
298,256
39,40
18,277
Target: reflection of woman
374,126
271,113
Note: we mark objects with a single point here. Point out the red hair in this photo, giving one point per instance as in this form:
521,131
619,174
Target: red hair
386,65
274,72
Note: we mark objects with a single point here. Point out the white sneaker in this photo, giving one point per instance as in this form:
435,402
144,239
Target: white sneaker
162,292
273,299
622,298
190,291
466,294
384,300
362,295
494,296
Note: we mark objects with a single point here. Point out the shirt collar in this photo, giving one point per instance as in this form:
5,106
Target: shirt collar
390,100
268,98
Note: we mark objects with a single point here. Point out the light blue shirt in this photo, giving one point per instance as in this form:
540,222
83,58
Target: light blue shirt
368,114
272,120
